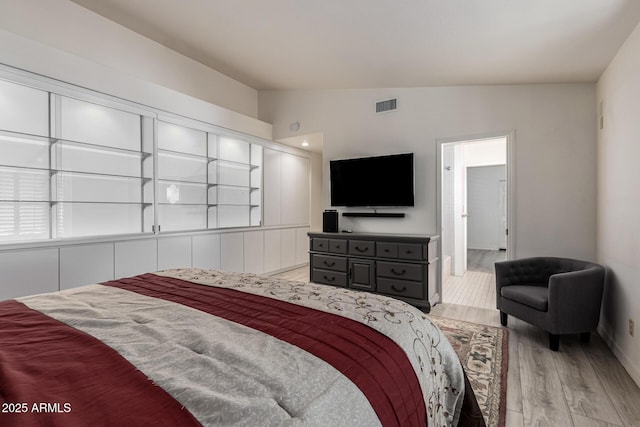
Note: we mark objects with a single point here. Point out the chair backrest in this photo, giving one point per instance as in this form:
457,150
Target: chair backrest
538,270
564,265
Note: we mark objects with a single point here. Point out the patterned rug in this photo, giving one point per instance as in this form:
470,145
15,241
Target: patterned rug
483,351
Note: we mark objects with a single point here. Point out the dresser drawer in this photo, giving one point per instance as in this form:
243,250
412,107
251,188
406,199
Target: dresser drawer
387,250
329,277
327,262
362,247
337,246
320,245
399,270
401,288
410,251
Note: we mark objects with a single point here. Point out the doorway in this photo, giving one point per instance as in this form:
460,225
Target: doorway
474,218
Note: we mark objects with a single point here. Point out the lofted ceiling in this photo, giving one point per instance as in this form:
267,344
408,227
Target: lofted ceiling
334,44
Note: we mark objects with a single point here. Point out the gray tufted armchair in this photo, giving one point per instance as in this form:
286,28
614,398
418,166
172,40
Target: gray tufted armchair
558,295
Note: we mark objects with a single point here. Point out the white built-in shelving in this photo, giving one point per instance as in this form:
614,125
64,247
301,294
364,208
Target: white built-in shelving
206,180
95,187
72,168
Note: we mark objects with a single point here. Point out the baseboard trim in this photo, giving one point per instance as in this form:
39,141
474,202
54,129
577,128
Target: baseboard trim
282,270
627,364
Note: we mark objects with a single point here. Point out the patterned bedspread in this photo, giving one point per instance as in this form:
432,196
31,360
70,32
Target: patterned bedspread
242,350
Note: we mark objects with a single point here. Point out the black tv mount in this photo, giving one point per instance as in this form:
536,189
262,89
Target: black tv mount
374,214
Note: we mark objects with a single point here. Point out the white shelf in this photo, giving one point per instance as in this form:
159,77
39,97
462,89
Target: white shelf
226,184
82,169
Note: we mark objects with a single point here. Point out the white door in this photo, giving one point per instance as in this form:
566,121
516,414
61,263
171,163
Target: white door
503,215
459,212
485,207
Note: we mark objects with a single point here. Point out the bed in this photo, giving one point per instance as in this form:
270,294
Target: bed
204,347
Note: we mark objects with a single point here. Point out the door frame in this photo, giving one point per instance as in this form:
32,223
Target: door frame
511,183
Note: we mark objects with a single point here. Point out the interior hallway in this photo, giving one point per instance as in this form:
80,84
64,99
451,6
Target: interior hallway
477,287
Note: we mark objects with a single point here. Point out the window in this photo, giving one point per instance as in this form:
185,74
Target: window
24,163
24,194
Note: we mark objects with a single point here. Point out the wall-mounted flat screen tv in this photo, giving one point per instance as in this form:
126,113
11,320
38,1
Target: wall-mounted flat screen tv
373,181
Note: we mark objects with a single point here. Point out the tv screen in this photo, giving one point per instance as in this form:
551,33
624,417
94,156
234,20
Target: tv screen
372,181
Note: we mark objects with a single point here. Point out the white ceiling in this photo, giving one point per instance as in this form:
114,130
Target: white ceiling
319,44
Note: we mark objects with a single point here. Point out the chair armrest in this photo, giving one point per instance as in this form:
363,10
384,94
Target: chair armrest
575,299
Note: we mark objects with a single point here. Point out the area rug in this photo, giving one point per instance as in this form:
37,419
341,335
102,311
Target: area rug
483,351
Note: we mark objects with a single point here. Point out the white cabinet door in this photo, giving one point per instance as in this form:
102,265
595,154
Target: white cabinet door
286,188
289,189
136,257
28,272
86,264
302,170
272,189
254,252
232,252
288,247
206,251
295,189
272,250
174,252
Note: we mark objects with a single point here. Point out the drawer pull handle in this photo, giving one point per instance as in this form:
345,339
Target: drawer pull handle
386,250
408,252
404,288
329,264
398,273
359,249
320,245
329,279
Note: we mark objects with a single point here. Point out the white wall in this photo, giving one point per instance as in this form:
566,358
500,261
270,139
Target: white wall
619,201
486,153
60,39
555,150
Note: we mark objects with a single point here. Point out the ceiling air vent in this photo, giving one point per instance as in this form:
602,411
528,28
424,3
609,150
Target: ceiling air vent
387,105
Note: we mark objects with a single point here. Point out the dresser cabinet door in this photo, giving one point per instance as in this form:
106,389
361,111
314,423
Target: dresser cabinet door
362,274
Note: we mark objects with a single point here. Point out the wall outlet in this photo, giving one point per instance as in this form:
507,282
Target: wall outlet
632,328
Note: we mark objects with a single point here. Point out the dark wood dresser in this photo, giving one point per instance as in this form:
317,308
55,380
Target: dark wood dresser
404,266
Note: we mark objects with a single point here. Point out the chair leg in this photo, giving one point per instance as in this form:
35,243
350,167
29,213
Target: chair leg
585,337
503,318
554,342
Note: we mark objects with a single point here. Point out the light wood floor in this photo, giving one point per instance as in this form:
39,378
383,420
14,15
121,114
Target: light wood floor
582,385
477,288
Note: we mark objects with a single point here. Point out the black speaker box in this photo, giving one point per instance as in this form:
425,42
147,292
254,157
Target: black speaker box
330,221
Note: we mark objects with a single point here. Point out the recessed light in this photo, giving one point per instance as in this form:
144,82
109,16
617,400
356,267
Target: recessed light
305,144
